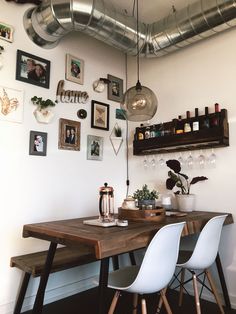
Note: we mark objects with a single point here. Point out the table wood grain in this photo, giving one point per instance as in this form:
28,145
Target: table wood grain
114,240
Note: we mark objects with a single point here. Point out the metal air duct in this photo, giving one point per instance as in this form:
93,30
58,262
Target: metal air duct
53,19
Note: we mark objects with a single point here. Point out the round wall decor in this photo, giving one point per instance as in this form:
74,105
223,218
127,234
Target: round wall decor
82,114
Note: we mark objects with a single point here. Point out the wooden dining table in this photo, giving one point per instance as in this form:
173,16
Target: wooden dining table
109,242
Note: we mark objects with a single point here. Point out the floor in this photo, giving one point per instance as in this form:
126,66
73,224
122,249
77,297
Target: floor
86,303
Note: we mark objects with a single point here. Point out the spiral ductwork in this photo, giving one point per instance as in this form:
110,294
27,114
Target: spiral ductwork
53,19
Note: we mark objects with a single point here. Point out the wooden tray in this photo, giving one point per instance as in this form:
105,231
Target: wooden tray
157,214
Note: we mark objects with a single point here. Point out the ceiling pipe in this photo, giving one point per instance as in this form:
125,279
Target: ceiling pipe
52,19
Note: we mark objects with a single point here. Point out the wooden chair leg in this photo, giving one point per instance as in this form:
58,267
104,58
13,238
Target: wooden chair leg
181,288
166,303
135,303
197,301
144,306
214,290
158,310
114,302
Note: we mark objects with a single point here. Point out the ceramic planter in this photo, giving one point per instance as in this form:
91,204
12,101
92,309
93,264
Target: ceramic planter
43,115
185,202
146,203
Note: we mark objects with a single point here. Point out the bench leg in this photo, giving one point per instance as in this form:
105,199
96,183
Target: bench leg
21,295
38,303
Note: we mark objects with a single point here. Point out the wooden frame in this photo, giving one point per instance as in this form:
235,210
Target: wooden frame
6,32
115,88
74,69
32,69
69,134
38,143
94,147
100,115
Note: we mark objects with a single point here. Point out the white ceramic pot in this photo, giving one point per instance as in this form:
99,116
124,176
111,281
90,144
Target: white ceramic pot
129,203
43,115
185,202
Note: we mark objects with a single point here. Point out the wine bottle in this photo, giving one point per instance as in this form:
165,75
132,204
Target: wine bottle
215,121
196,121
187,125
179,126
141,132
206,121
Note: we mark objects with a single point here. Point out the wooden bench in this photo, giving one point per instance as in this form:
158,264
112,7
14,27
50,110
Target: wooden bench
33,265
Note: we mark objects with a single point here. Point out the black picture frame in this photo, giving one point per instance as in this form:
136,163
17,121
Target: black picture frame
115,88
38,143
32,69
99,115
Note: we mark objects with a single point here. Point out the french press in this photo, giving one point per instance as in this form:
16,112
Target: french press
106,203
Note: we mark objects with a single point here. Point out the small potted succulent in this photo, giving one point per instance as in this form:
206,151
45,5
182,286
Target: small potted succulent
42,113
176,178
145,197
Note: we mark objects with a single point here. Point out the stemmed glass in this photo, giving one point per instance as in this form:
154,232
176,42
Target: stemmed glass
153,162
181,160
212,158
161,161
190,161
145,162
201,160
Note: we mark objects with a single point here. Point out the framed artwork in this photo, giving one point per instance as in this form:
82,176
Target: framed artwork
69,134
32,69
38,143
6,32
115,88
74,69
94,147
120,114
11,104
100,115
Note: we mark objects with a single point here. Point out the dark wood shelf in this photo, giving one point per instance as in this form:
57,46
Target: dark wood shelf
202,139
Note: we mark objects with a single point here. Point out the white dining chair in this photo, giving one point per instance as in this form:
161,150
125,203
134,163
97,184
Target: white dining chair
200,260
154,273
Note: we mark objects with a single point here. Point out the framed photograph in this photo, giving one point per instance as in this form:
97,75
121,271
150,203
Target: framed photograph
94,147
69,134
115,88
6,32
11,104
38,143
100,115
74,69
32,69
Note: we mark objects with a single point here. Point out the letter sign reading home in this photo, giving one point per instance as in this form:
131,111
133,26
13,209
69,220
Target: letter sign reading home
70,95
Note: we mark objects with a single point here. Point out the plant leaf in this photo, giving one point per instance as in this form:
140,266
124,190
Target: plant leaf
184,175
170,183
174,165
197,179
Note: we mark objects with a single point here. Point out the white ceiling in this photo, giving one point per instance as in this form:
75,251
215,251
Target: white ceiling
151,10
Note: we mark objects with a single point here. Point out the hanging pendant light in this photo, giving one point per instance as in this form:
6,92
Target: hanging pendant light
139,102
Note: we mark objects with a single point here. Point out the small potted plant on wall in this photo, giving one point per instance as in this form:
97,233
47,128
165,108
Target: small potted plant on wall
185,200
42,113
145,197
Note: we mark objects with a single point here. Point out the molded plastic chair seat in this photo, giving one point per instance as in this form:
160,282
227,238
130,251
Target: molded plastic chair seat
155,272
202,257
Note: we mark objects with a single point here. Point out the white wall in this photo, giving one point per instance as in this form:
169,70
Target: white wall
197,76
64,184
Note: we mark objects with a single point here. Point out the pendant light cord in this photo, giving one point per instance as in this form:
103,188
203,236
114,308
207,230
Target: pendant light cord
127,131
137,29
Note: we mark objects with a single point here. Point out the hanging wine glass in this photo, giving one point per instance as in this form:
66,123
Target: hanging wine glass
212,159
181,160
201,160
161,161
145,162
153,162
190,161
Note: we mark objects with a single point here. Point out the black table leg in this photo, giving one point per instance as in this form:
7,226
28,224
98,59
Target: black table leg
21,296
103,279
222,281
38,303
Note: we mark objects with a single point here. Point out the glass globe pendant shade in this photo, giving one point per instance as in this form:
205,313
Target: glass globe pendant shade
139,103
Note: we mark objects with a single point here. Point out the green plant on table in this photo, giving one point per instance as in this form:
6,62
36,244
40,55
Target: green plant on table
145,194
